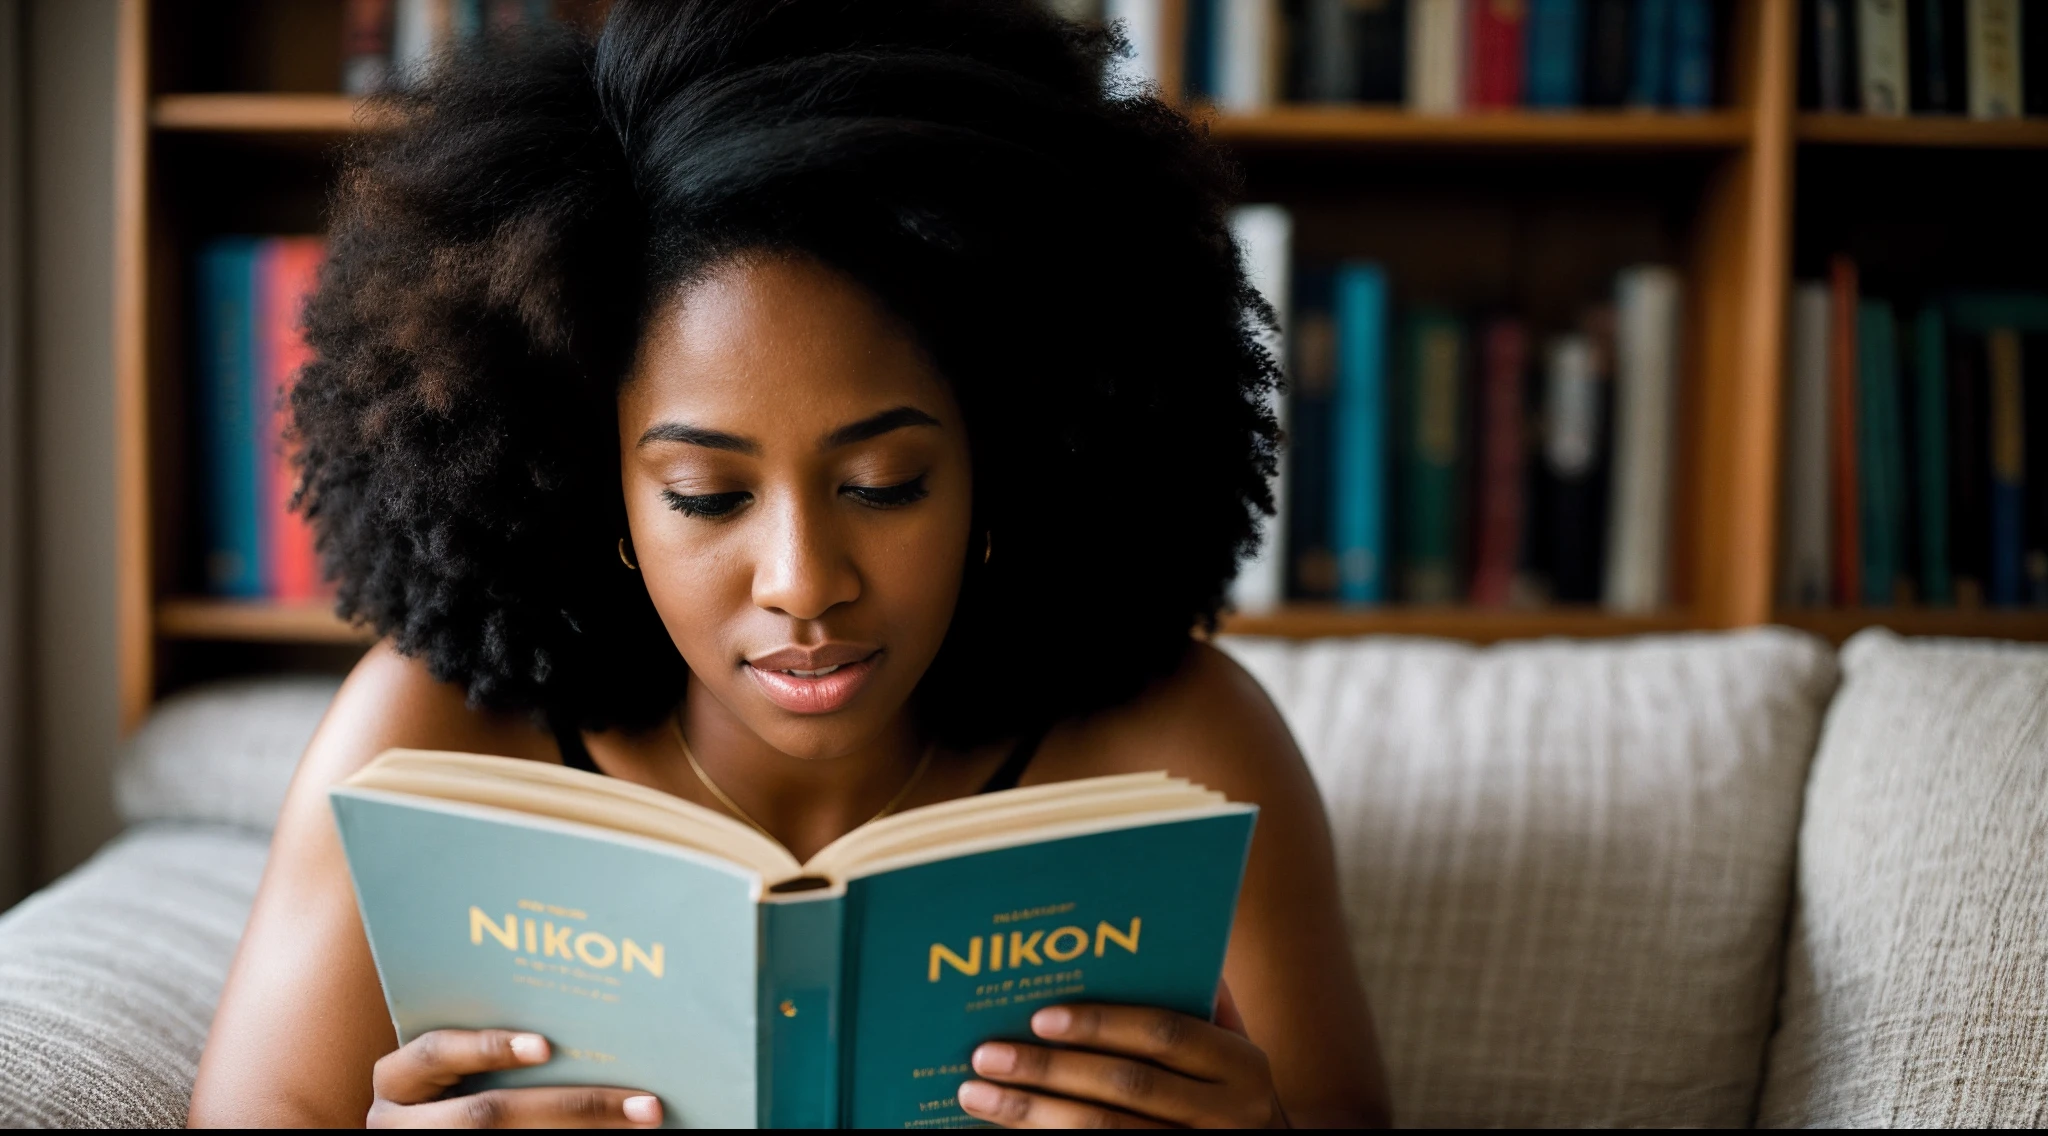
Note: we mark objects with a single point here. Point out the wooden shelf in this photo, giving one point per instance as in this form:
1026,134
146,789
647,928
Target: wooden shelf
1477,625
1352,126
259,114
1837,624
254,621
1921,130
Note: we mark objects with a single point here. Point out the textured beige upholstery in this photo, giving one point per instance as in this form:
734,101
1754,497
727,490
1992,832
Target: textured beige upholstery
1916,988
1566,865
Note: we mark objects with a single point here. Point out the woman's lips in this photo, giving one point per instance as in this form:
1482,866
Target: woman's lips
813,693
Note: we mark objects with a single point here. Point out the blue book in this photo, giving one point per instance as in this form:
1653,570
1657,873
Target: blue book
1692,54
662,946
227,422
1358,435
1555,39
1650,70
1312,381
1203,20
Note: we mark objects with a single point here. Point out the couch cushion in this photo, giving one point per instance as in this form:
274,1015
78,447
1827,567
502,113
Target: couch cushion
1565,865
222,753
108,978
1916,986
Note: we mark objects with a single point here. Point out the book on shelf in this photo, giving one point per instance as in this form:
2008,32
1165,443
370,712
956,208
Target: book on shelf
249,293
662,945
1937,64
1437,34
1805,566
1265,237
1610,51
1692,55
1503,463
1575,397
1359,457
1842,282
1432,455
1928,423
1650,64
1879,453
1556,33
1346,51
1881,57
2003,364
1312,374
1993,53
1496,46
1143,24
1646,317
1248,55
1942,57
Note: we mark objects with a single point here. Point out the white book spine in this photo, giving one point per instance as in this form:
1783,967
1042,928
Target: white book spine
1804,551
1436,56
1144,28
1881,57
416,28
1571,406
1646,381
1265,238
1247,48
1993,49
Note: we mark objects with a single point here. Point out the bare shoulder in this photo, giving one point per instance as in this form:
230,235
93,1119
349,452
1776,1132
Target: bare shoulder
1209,721
392,701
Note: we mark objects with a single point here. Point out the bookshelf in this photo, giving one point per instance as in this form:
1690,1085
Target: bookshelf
228,117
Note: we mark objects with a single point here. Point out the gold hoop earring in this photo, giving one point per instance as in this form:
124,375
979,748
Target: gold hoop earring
623,559
988,546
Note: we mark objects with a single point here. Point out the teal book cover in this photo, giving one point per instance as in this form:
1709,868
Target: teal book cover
853,1001
1879,451
1930,421
1358,497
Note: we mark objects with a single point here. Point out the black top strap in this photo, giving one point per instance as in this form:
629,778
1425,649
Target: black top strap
1011,771
575,754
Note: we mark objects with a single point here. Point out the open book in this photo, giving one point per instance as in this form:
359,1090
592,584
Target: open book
663,946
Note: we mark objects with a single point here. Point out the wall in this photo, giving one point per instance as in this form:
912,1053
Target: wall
75,711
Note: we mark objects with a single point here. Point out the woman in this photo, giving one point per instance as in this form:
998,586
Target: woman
809,410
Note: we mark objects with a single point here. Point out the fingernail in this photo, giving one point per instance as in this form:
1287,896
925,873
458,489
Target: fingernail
995,1058
643,1110
1052,1022
531,1048
979,1096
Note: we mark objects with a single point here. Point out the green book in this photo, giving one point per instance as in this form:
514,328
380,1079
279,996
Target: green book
1930,423
1429,516
1880,451
662,946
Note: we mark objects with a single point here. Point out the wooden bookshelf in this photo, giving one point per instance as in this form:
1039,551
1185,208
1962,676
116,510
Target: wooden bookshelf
228,117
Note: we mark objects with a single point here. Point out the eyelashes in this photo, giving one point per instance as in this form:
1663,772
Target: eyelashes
715,505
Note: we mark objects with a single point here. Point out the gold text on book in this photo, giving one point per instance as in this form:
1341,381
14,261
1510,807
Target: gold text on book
592,948
1036,949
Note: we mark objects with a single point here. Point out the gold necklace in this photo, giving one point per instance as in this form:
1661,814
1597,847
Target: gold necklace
675,724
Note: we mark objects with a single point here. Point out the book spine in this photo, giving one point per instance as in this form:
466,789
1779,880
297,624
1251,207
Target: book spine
1969,467
1994,58
1933,46
1330,55
1494,76
1144,28
365,46
1836,58
1436,56
1574,396
1312,342
1878,450
1930,414
1692,54
1431,451
1503,463
1358,519
1204,42
1804,564
1881,57
1650,74
1555,67
1380,36
1842,382
1646,368
264,433
1610,43
234,552
1265,235
2008,465
1246,54
292,270
801,1015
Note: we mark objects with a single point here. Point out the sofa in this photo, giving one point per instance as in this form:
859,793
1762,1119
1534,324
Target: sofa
1710,879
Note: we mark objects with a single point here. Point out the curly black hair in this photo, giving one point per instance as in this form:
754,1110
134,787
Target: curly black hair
1055,239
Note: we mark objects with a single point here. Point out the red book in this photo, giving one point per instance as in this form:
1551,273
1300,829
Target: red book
1842,394
286,272
1493,77
1503,457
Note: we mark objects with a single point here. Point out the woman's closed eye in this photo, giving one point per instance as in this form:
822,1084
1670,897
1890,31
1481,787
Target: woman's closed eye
889,496
705,504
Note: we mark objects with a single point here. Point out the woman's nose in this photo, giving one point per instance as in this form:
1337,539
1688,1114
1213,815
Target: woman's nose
804,570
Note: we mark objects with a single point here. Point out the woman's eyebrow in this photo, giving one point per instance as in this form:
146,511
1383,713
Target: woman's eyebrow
698,436
876,425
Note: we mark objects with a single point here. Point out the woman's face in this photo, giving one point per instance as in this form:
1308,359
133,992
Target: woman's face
798,488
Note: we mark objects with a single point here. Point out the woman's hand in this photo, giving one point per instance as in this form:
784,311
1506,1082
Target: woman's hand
1130,1067
411,1082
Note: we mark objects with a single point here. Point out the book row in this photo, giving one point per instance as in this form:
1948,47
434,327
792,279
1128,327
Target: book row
1436,56
387,40
1443,456
1916,455
248,296
1899,57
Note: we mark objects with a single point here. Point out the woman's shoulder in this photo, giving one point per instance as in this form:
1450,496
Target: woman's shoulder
391,701
1209,721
